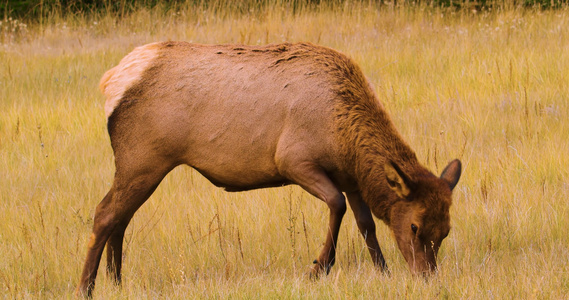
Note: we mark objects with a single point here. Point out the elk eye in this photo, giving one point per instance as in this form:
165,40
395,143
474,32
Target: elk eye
414,228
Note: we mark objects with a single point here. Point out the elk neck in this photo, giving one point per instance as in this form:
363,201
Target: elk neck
367,140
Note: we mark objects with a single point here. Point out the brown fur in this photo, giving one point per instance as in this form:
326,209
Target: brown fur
259,116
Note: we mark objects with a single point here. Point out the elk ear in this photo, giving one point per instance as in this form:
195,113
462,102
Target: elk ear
398,181
451,174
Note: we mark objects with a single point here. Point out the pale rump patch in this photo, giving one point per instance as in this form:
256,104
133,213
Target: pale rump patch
120,78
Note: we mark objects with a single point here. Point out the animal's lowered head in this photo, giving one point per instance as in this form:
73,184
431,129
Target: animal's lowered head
419,217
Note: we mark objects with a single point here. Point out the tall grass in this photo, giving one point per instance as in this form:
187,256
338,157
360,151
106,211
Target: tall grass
489,88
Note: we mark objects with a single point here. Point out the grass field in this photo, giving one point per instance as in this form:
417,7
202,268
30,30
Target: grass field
489,88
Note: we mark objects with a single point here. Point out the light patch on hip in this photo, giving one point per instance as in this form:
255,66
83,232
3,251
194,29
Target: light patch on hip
128,72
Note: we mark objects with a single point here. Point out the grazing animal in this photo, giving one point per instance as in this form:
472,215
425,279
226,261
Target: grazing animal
250,117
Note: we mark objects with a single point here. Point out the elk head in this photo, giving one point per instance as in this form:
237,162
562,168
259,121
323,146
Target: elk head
419,217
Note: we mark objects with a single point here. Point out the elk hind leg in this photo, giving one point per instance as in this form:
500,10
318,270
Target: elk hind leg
112,216
140,192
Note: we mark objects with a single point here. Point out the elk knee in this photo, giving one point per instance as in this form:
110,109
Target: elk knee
366,225
337,204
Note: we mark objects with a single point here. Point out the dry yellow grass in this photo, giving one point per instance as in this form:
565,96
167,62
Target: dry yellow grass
488,88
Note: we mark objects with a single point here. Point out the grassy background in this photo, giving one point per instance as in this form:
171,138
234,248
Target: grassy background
488,88
43,10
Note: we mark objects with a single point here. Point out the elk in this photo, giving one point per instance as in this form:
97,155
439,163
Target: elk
249,117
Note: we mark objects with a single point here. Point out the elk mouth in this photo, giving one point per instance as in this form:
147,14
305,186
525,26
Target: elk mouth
425,272
422,263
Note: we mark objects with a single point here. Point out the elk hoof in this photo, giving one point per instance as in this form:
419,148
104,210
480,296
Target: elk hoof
319,269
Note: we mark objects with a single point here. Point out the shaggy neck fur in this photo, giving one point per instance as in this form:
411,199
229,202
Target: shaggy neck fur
368,138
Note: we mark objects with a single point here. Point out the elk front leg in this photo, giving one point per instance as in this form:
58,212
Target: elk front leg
315,181
327,257
366,225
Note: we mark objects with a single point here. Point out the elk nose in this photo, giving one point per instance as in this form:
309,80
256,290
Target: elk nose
424,272
432,267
